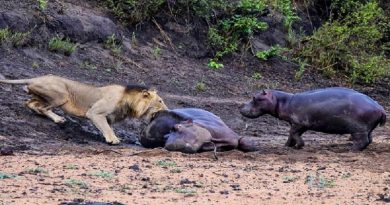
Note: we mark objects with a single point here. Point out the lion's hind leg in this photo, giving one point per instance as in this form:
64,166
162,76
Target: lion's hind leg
40,107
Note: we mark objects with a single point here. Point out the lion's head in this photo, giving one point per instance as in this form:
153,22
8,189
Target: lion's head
144,102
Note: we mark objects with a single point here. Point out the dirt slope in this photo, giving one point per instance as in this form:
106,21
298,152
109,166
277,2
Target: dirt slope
72,164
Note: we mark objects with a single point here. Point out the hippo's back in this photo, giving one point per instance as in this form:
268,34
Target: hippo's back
336,94
335,110
199,116
207,120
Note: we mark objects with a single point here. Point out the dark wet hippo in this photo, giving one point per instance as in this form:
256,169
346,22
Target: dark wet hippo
329,110
188,137
192,130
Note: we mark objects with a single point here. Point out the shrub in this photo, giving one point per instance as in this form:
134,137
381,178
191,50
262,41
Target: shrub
214,65
271,52
42,4
16,39
350,44
59,44
227,34
134,11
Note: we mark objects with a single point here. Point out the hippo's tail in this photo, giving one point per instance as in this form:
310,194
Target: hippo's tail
382,121
248,144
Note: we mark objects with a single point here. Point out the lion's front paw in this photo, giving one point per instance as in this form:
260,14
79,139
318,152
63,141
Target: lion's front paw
60,120
113,141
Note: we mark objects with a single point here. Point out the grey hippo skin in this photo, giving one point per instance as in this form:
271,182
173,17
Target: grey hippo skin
192,130
329,110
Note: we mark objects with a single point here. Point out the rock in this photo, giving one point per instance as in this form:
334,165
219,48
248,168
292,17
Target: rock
82,25
135,168
6,151
17,21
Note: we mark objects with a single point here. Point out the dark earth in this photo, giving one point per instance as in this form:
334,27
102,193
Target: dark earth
44,163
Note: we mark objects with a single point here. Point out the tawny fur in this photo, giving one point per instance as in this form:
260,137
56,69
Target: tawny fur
102,105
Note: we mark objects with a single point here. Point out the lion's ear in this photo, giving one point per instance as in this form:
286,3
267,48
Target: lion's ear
145,93
153,89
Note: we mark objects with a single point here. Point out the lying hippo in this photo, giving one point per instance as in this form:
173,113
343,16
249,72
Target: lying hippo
329,110
192,130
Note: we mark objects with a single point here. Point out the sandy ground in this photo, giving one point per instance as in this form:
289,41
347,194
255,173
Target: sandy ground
134,176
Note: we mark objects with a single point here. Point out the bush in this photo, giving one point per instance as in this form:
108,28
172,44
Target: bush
16,39
352,44
59,44
134,11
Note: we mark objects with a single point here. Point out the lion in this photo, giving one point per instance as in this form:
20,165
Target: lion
102,105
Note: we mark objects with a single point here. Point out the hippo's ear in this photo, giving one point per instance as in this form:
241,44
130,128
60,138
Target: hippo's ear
188,121
264,92
177,127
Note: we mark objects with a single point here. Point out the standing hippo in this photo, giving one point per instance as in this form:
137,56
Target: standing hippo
192,130
330,110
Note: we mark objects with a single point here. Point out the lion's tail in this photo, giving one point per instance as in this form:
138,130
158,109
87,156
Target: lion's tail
20,81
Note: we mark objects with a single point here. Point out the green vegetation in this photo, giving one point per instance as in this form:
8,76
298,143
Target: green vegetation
177,170
256,76
134,11
102,174
15,39
156,52
37,170
4,175
271,52
71,166
200,86
187,192
286,8
166,163
351,44
75,183
289,179
113,44
214,65
42,4
61,45
319,182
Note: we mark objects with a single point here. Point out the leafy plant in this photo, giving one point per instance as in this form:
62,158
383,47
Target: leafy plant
177,170
273,51
59,44
187,192
289,179
214,65
156,52
114,44
42,4
102,174
350,44
14,38
4,175
134,11
200,86
37,170
256,76
319,182
166,163
75,183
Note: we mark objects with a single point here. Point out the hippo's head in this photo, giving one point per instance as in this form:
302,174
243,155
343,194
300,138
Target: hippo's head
263,102
161,124
187,137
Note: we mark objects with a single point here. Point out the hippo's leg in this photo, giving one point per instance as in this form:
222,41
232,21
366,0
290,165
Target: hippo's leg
295,136
361,140
290,142
370,137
